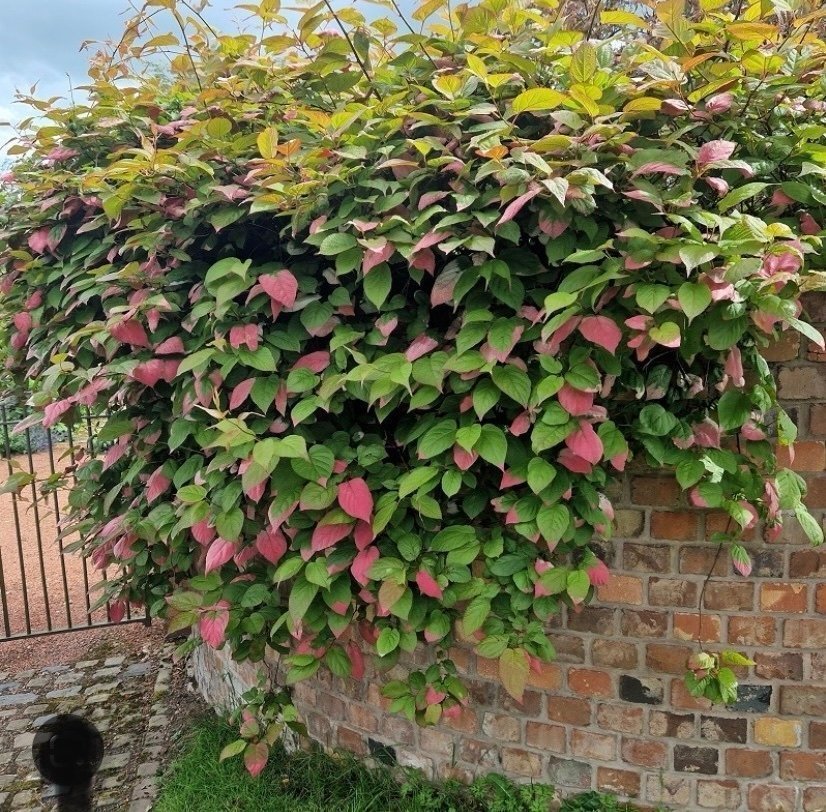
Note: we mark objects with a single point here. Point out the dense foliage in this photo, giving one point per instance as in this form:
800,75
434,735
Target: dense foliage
381,314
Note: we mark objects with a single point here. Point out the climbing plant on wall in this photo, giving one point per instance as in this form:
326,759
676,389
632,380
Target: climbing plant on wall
381,307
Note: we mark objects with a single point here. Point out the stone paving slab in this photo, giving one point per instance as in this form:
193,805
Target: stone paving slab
124,698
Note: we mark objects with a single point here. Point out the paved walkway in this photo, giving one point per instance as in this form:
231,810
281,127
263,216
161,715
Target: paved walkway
125,697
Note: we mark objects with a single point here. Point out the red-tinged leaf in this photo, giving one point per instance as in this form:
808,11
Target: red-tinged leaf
464,459
281,287
39,240
213,625
373,258
654,167
129,332
443,287
424,260
715,151
429,198
172,346
431,238
219,552
517,205
585,443
520,424
117,611
355,499
149,372
314,361
427,585
363,534
255,758
598,574
327,535
240,393
421,345
574,401
54,411
23,322
362,563
574,463
356,660
513,671
156,485
602,331
272,544
203,532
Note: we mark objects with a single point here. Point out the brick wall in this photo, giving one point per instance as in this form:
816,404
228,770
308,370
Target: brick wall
612,713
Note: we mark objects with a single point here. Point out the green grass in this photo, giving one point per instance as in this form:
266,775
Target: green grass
315,782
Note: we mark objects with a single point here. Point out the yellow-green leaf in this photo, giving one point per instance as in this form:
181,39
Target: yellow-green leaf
539,98
513,671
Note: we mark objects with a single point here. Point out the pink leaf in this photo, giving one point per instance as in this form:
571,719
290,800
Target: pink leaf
363,534
653,167
463,459
573,462
434,697
326,535
314,361
281,287
443,287
373,258
156,485
574,401
427,585
521,423
517,205
241,392
718,184
39,240
429,198
715,151
117,611
362,563
356,660
509,479
130,332
272,545
149,372
255,758
219,552
719,103
202,532
734,367
707,434
23,322
53,412
585,443
213,626
431,238
598,574
602,331
420,346
355,499
171,346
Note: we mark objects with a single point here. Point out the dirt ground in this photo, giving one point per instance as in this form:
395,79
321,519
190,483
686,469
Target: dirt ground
40,599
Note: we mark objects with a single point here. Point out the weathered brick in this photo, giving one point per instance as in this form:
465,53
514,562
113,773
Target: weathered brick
599,746
718,794
784,597
351,740
752,698
817,418
669,791
548,679
644,752
814,306
522,762
801,383
437,742
777,732
619,718
771,798
569,773
531,704
569,711
607,653
816,496
700,560
807,564
641,623
804,633
724,729
803,700
778,665
467,721
501,726
362,717
809,455
660,491
820,598
667,659
751,630
628,524
817,735
587,682
744,763
768,563
646,557
595,619
802,766
481,752
786,348
693,626
545,737
814,799
672,592
621,589
621,782
665,724
678,525
729,596
569,648
688,759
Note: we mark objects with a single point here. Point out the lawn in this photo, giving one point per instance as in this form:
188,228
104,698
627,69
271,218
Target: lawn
315,782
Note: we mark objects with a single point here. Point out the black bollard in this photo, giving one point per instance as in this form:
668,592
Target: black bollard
67,751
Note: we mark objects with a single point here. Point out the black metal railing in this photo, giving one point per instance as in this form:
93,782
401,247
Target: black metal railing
44,590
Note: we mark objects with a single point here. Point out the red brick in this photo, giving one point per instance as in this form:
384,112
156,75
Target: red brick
804,633
778,665
672,592
786,348
680,525
461,658
599,746
667,659
751,630
801,383
700,560
522,762
466,721
817,418
569,711
744,763
729,596
644,752
621,589
803,700
644,624
817,735
587,682
595,619
802,766
361,717
646,557
693,626
776,732
351,740
814,351
487,668
816,495
660,491
606,653
784,597
549,678
622,782
682,699
820,598
771,798
619,718
809,455
570,648
807,564
545,737
718,794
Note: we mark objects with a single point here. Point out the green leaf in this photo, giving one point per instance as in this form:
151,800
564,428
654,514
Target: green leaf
485,397
651,297
437,439
475,614
537,99
301,596
740,194
388,641
811,527
337,243
694,298
233,749
467,436
578,585
559,301
733,410
192,494
553,521
451,538
694,255
377,285
492,445
655,420
513,382
415,479
540,474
